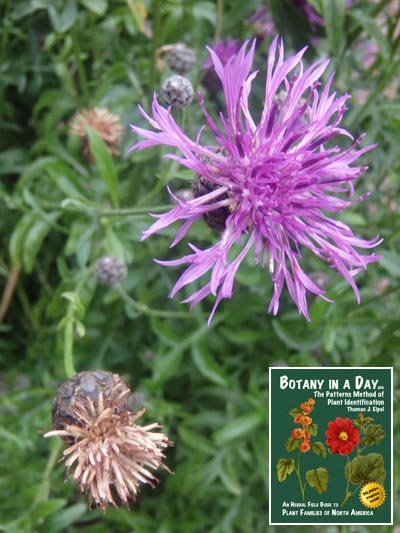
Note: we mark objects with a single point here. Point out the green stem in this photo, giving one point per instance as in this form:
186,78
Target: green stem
383,81
156,12
302,488
6,32
218,24
135,210
169,172
144,309
348,493
69,343
81,69
375,9
43,492
69,323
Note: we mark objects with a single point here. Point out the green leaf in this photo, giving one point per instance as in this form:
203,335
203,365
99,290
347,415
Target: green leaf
64,20
34,238
334,12
17,238
80,239
294,412
365,468
330,331
98,7
73,297
229,477
105,164
80,328
239,427
208,367
66,179
372,29
297,343
391,262
166,365
139,14
319,449
64,518
113,245
68,15
195,441
44,509
318,479
284,468
372,434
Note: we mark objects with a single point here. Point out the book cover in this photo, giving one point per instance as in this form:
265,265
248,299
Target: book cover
330,445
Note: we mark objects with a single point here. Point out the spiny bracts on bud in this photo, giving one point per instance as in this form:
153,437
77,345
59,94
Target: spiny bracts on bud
177,91
178,57
110,270
111,454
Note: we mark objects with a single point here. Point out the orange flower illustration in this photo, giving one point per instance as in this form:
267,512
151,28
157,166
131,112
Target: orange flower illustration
305,420
298,433
305,446
300,439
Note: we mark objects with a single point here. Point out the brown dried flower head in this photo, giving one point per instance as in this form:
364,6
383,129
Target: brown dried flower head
106,124
111,454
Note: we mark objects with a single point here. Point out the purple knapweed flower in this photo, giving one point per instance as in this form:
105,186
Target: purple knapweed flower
224,49
267,186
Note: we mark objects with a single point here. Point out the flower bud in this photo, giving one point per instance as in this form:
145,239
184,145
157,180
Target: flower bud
110,270
177,91
179,57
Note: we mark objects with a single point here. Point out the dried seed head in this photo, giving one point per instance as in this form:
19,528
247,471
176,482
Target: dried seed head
177,91
73,395
106,124
110,270
110,453
179,57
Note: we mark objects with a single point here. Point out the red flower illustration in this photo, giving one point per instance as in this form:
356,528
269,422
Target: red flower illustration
342,436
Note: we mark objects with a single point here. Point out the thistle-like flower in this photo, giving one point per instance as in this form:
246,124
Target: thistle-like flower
111,453
106,124
224,50
269,186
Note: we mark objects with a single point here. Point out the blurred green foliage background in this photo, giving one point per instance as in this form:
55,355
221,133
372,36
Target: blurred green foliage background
61,211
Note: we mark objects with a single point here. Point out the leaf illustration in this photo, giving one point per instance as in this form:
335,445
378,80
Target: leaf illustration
284,468
313,429
292,444
366,468
373,434
318,479
319,449
294,412
362,420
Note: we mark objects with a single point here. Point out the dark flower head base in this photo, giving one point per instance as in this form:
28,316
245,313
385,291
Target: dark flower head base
279,178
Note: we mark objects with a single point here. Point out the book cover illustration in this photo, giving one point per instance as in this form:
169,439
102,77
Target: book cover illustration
330,445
